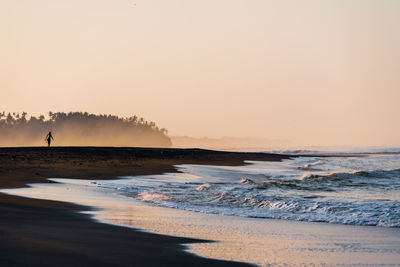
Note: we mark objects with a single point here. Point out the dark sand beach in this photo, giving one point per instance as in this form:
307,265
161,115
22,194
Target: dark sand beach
49,233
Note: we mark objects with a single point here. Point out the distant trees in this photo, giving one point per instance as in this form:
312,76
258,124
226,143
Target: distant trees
80,129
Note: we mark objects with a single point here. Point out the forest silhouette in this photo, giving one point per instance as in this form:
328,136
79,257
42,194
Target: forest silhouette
80,129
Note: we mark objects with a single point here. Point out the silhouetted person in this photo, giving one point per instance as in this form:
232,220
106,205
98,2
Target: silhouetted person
49,137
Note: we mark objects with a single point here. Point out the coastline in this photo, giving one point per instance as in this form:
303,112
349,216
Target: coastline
44,233
264,242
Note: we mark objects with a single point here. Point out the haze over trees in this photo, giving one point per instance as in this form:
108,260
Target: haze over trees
80,129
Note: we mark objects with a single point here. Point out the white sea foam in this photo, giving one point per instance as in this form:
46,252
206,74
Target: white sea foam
307,176
246,180
346,190
152,197
203,187
310,166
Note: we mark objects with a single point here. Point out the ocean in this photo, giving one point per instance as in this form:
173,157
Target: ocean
311,210
344,188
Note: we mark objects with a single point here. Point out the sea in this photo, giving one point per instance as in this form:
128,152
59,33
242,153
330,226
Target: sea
336,207
353,187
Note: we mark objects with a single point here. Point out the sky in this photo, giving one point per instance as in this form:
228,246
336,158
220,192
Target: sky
310,72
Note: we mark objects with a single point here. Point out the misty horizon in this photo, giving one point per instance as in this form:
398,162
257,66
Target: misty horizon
310,72
71,129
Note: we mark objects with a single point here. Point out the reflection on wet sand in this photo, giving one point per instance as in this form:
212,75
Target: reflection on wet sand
260,241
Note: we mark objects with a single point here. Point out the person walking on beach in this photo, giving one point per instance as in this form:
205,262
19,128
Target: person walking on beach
49,137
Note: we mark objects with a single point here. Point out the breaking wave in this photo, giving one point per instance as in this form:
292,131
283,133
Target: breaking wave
346,190
152,197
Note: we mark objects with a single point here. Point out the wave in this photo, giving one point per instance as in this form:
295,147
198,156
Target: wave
152,197
309,166
309,176
352,194
336,181
203,187
246,180
340,151
367,214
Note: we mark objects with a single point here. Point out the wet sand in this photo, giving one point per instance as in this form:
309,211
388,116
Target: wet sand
265,242
48,233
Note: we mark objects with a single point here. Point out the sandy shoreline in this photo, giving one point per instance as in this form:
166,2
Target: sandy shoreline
265,242
48,233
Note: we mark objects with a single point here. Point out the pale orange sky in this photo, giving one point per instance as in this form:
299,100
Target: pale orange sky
312,72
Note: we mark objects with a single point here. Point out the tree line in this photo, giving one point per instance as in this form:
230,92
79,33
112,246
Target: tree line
80,129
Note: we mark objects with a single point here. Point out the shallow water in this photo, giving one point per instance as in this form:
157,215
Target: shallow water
264,242
346,190
353,190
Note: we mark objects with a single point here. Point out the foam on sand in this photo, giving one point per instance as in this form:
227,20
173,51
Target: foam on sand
259,241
